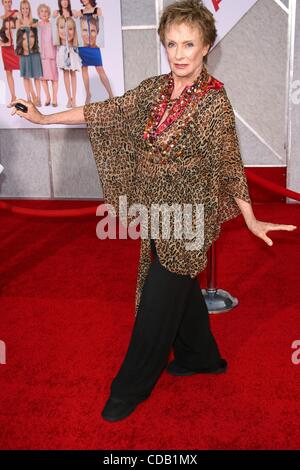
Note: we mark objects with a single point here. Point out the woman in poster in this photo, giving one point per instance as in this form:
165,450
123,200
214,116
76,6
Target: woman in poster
28,48
31,66
68,59
48,54
90,53
64,9
11,61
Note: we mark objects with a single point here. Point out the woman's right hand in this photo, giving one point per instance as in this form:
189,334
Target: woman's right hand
32,115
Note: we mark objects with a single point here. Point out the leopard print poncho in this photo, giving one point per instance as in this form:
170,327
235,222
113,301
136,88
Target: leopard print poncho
203,166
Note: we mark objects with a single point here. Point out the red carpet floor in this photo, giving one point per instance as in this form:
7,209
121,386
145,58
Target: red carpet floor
67,302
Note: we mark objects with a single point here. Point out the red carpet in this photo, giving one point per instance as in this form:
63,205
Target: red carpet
67,301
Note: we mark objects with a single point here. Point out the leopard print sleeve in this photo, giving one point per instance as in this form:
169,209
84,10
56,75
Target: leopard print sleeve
110,114
226,150
110,128
113,114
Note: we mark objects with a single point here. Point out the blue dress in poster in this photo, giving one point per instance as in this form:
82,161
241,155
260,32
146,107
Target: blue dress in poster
90,53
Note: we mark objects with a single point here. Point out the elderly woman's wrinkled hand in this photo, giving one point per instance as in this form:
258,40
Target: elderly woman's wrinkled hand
260,229
32,115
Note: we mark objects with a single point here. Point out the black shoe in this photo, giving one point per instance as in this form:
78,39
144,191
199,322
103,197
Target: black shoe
116,409
176,369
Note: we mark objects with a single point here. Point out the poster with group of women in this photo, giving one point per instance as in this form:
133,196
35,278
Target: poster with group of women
59,54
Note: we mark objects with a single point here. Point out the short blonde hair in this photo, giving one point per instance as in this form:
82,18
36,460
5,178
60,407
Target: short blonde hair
192,12
43,5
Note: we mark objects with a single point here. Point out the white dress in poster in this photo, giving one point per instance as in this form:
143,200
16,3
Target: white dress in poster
59,54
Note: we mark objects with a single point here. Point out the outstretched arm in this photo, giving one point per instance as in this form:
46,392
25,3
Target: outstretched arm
112,114
258,227
232,173
72,116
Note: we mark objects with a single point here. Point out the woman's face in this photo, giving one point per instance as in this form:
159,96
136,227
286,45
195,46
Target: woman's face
25,10
185,50
93,34
44,13
65,3
9,25
85,33
7,4
85,3
71,32
61,29
25,43
31,39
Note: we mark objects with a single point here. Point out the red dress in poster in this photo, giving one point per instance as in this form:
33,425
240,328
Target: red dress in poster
10,60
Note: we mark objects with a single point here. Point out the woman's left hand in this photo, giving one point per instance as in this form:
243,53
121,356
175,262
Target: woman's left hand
260,229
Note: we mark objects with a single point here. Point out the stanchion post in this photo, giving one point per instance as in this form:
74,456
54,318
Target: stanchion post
217,300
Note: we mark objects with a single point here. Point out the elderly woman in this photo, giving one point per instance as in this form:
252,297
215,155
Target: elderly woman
171,140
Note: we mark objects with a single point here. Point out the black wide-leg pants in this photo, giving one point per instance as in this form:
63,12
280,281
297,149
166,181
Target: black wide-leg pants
172,313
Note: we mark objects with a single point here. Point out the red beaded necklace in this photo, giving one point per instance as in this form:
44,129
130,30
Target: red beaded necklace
190,94
199,87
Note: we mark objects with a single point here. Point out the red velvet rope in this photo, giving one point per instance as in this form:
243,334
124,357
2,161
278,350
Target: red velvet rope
88,211
82,212
273,187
